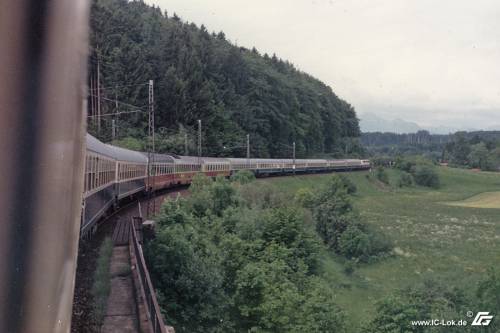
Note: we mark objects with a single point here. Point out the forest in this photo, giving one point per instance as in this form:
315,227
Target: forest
200,74
477,150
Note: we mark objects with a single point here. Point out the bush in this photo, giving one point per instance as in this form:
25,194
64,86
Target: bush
359,242
222,264
263,195
405,164
199,182
304,197
396,312
348,185
186,269
381,175
243,177
405,179
349,267
354,243
425,175
341,228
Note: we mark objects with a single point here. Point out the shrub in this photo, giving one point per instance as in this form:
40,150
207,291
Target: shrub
243,177
381,175
330,224
304,197
404,164
396,312
425,175
348,185
354,243
349,267
341,228
223,195
263,195
405,179
199,182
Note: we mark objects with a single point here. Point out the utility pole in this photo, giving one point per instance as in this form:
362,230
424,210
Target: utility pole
98,93
113,121
92,94
186,144
199,141
151,150
151,127
293,158
248,147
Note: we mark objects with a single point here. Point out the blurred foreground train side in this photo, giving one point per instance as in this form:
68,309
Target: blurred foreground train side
113,174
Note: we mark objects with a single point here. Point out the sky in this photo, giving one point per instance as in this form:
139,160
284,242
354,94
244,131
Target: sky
432,62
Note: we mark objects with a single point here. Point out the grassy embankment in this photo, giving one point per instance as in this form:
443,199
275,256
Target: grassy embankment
102,280
451,234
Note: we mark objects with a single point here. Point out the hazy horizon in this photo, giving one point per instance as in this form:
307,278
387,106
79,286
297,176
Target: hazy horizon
432,63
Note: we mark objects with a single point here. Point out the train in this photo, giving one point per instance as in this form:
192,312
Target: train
114,174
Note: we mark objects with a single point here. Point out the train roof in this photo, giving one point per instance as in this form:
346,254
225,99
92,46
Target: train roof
195,160
127,155
160,158
214,160
186,159
275,160
97,146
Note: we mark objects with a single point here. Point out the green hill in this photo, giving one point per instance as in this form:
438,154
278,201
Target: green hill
202,75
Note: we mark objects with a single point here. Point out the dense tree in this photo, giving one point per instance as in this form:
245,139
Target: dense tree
236,265
340,227
462,149
198,75
426,175
479,157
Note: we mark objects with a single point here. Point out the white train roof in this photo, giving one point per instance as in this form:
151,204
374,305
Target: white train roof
196,160
127,155
161,158
97,146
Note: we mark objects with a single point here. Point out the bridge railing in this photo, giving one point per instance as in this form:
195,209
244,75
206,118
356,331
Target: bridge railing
153,309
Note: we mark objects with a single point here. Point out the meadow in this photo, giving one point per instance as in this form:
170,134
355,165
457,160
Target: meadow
450,234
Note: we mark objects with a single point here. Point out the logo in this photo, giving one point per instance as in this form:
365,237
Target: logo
482,319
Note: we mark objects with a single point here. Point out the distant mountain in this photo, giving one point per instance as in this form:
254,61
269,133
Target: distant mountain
373,123
370,123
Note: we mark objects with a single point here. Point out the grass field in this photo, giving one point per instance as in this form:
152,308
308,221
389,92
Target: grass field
451,234
482,200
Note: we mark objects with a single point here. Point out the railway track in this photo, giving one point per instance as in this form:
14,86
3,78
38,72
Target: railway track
83,320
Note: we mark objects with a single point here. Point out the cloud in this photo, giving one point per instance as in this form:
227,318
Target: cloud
421,60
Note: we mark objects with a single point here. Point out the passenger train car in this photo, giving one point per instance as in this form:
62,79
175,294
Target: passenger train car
113,174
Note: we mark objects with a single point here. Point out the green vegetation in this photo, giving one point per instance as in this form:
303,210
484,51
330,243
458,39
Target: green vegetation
434,300
481,200
420,170
392,144
466,149
340,226
102,280
243,177
201,75
433,241
381,175
244,256
480,150
405,179
474,153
